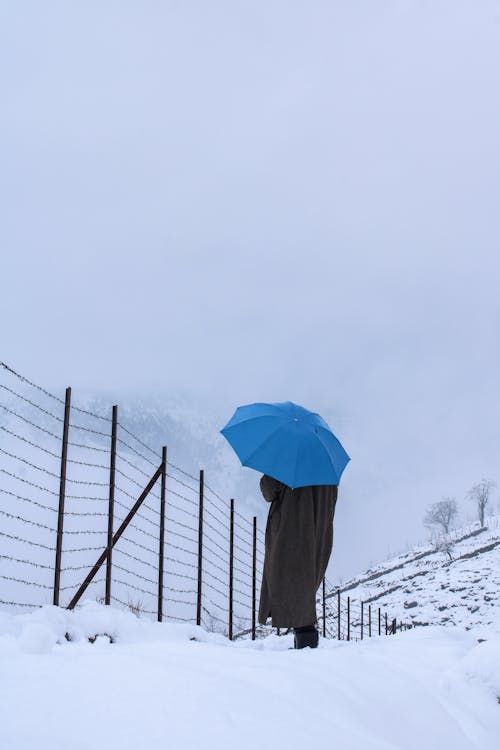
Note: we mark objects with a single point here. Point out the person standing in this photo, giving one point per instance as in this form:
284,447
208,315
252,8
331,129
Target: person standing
298,544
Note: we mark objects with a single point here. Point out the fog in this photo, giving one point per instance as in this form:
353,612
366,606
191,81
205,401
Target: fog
240,201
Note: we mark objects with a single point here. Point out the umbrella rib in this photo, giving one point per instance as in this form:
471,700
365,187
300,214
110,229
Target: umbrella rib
229,427
251,418
299,443
333,459
247,458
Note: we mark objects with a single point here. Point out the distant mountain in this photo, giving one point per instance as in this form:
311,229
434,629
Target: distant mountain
194,442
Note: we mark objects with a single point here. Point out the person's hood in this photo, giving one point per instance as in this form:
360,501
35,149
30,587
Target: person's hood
271,488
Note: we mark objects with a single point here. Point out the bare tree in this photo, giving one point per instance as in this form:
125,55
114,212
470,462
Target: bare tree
444,545
480,494
441,514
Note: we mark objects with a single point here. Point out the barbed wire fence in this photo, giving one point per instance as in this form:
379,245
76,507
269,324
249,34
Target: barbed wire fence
87,508
69,478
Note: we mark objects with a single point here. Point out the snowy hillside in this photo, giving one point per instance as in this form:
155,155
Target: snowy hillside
454,581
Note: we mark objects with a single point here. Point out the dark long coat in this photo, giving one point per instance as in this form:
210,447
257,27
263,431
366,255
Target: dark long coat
299,538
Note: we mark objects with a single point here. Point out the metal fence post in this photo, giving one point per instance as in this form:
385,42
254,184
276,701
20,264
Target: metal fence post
200,548
231,562
362,620
62,494
254,575
348,618
385,617
370,620
338,614
161,555
324,609
111,504
379,628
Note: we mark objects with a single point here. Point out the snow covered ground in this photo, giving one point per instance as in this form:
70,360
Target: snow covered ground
176,686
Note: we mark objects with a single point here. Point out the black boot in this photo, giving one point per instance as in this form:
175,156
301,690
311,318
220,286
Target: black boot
306,637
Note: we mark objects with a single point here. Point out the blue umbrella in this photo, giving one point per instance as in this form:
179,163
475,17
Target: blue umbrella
286,442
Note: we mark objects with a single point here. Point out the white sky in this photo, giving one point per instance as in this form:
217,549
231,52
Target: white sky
266,201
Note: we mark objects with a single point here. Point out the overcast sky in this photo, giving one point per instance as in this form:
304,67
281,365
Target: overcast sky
266,201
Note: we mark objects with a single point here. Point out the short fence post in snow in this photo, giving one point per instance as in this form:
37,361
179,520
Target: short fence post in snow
111,504
324,609
369,620
200,549
379,628
161,555
231,559
362,620
338,615
254,575
385,617
348,618
62,494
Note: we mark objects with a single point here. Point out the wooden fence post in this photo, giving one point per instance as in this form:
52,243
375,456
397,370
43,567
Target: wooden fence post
62,494
348,618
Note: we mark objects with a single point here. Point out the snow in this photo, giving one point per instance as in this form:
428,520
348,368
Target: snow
454,581
142,684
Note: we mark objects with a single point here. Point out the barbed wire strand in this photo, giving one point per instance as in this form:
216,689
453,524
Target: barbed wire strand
26,562
51,453
134,557
15,537
27,521
144,445
27,500
131,607
31,403
32,424
20,604
51,473
170,491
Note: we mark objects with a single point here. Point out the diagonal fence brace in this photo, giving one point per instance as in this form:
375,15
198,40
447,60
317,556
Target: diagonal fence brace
116,537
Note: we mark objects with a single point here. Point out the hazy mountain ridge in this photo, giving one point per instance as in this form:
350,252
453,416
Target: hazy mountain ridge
193,441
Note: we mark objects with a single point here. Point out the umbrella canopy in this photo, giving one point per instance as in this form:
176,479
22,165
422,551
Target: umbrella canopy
286,442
